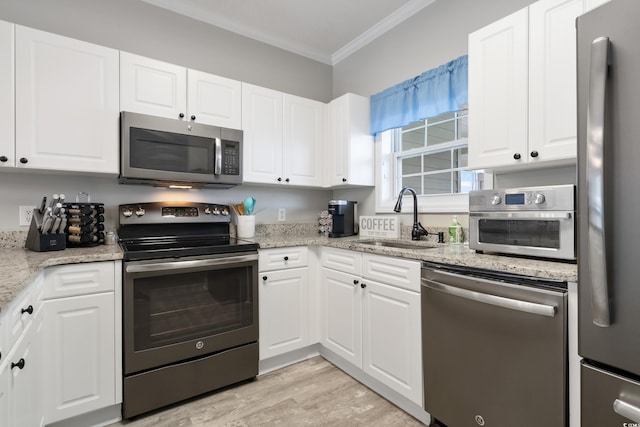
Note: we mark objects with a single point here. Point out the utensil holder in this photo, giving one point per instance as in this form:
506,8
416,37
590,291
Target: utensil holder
38,242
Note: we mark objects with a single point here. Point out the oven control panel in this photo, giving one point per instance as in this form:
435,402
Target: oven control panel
548,198
172,212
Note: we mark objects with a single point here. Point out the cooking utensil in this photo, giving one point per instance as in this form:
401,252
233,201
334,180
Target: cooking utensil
249,204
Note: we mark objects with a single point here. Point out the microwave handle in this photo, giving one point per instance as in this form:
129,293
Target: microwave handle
217,167
597,256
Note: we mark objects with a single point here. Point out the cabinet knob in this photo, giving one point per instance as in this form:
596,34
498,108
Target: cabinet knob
181,115
286,258
355,282
363,285
344,179
534,154
286,180
19,365
517,156
264,278
27,310
3,159
193,117
24,160
279,179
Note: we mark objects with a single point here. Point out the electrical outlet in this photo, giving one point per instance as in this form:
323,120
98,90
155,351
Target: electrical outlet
26,212
282,214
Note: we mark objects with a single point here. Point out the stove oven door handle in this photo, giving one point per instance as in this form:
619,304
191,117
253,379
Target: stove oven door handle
186,265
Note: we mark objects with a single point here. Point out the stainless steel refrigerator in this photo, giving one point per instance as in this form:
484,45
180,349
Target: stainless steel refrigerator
609,213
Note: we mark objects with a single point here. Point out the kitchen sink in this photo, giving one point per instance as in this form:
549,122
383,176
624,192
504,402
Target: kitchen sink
393,244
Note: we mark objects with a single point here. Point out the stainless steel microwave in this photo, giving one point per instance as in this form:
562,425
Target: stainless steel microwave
180,154
534,221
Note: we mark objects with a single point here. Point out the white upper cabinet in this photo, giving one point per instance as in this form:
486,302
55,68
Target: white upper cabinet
302,139
214,100
7,98
522,95
351,149
592,4
552,81
498,58
157,88
149,86
282,138
262,119
66,103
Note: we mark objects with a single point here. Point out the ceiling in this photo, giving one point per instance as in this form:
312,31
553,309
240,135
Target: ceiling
324,30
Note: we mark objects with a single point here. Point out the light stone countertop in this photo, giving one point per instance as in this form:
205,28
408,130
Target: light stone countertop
21,265
459,255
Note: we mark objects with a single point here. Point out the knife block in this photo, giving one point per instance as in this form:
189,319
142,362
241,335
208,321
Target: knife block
38,242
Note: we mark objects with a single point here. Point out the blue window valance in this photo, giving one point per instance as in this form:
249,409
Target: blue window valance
434,92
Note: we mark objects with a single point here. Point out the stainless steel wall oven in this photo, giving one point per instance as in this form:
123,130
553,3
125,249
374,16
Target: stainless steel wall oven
190,303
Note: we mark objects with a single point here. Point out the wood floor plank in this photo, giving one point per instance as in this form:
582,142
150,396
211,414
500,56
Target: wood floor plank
309,393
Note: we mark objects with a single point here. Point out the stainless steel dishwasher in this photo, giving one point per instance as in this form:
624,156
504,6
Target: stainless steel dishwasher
494,348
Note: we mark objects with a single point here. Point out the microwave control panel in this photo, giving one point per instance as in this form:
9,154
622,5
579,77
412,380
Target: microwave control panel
230,158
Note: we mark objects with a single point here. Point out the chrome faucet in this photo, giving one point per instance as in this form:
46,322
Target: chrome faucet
417,230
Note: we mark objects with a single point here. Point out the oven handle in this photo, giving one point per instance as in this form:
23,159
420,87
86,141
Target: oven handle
527,216
185,265
509,303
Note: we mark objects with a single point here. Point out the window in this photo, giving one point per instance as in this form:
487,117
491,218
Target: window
431,157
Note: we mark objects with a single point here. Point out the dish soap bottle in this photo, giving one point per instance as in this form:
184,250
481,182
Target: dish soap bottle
455,231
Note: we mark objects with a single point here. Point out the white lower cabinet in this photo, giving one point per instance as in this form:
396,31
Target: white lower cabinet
371,317
284,301
22,398
391,351
81,339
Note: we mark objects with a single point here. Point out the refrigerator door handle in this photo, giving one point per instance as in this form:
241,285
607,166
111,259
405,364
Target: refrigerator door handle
626,410
595,181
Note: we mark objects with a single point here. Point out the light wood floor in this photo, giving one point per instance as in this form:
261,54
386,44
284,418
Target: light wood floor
309,393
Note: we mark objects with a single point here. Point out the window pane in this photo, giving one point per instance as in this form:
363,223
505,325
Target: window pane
442,117
414,182
437,161
461,158
413,139
439,183
441,132
463,127
414,125
411,165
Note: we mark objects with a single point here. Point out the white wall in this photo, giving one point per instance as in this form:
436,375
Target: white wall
435,35
430,38
137,27
25,189
140,28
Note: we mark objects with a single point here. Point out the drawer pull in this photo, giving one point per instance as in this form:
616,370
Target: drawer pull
264,278
286,258
27,310
19,365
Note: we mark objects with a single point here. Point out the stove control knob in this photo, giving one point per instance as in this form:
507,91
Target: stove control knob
140,212
225,211
127,212
496,200
539,198
215,211
207,210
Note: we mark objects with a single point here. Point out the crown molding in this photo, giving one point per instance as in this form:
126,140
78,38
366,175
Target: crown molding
388,23
187,8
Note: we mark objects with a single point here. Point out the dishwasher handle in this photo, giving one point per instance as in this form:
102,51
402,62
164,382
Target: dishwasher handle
626,410
509,303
